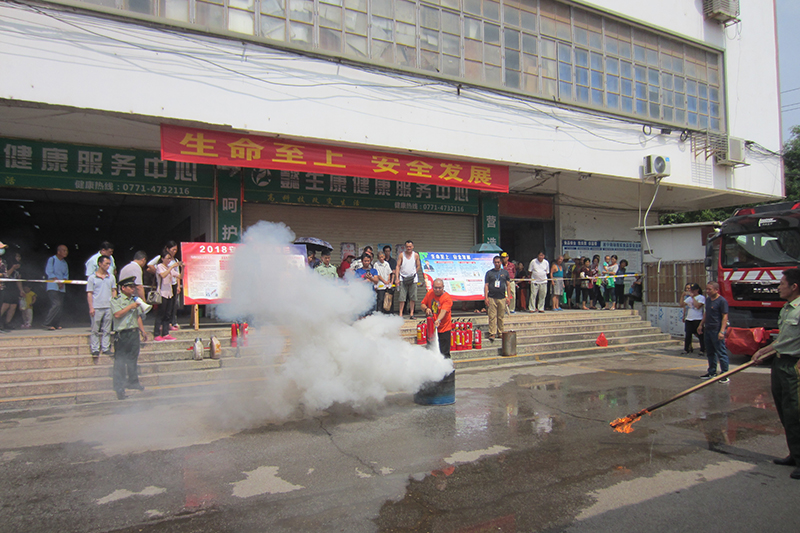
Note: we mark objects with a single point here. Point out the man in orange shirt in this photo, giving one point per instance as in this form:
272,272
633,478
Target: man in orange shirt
438,304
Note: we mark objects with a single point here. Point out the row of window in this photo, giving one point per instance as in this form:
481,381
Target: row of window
541,47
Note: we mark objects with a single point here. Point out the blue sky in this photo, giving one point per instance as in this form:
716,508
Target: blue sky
789,61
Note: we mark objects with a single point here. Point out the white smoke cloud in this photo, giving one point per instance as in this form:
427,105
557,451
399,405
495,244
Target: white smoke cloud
333,357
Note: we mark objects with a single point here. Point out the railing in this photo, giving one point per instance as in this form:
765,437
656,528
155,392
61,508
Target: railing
664,283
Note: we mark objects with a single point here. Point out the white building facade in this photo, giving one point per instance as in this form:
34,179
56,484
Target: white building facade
569,96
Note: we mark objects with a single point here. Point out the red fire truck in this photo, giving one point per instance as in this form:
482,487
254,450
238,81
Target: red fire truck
746,257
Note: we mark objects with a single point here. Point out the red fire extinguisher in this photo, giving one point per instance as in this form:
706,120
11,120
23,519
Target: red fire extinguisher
430,325
468,337
234,334
243,333
476,339
422,333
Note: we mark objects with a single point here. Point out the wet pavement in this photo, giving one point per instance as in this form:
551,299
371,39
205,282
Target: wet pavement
524,448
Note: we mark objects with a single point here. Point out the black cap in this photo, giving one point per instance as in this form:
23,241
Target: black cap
128,282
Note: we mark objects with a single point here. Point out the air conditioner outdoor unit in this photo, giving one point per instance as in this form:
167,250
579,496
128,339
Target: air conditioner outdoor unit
722,10
735,154
656,166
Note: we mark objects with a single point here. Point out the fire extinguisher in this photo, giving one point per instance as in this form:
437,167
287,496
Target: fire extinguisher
234,335
430,325
476,339
243,333
468,337
421,337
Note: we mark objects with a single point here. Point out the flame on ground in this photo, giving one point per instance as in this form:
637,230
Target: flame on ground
625,425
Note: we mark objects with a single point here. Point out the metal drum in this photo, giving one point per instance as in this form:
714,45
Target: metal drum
438,392
509,343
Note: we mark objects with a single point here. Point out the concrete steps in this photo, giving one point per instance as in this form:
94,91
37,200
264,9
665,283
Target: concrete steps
55,368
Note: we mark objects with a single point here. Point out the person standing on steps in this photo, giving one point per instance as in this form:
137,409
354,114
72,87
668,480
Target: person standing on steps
56,269
557,281
100,288
495,294
408,265
129,327
511,267
539,269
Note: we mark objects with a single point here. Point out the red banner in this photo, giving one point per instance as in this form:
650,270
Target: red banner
209,147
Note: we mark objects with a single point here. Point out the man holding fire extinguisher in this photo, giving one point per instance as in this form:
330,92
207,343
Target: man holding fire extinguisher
438,304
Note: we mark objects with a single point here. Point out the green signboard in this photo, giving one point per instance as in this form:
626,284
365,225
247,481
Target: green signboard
67,167
490,220
300,188
229,204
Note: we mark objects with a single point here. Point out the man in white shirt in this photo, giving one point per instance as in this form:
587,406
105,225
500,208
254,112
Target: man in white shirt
134,270
539,269
406,278
106,249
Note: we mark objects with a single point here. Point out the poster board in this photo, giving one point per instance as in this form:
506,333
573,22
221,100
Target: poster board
463,274
206,267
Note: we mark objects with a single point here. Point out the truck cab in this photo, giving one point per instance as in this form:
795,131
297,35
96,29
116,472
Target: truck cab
747,257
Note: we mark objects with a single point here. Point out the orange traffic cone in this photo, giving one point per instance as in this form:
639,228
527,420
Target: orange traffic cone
601,341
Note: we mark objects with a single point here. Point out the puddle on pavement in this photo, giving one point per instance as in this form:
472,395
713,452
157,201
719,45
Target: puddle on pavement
559,443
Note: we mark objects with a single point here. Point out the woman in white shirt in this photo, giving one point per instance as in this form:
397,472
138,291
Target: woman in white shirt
167,274
170,248
693,304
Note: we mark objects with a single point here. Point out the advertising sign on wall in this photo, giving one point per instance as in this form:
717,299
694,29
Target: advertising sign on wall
68,167
206,268
463,274
327,190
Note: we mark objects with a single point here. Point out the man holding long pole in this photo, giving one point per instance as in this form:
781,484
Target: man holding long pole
785,355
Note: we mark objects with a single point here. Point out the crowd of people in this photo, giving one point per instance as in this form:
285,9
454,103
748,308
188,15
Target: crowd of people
162,274
572,283
394,280
112,306
582,284
579,283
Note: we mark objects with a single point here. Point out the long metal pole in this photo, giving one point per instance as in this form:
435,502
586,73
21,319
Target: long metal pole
627,419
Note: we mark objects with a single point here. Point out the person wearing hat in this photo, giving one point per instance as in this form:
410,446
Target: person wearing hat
512,285
129,327
326,269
